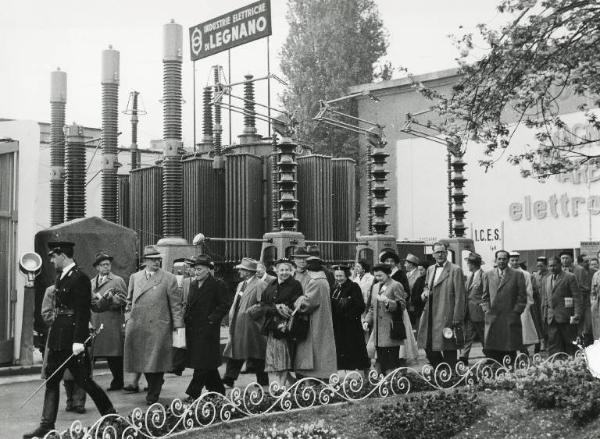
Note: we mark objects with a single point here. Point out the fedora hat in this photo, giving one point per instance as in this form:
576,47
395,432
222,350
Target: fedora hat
247,264
203,260
101,256
475,258
57,247
151,252
412,259
301,253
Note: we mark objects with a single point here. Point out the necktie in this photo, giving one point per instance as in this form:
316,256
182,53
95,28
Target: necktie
501,275
470,281
148,275
552,281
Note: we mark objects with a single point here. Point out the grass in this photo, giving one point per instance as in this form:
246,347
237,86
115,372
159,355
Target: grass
508,417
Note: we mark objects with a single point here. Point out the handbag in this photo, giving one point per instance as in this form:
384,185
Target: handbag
397,330
298,326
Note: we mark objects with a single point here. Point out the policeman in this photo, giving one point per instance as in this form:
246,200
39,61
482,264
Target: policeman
67,336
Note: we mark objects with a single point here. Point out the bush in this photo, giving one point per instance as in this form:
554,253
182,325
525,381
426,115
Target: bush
565,384
304,431
442,414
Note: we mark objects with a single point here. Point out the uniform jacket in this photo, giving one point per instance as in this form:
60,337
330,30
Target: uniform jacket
474,288
448,298
245,337
506,300
109,311
380,317
347,305
316,355
565,285
206,307
72,293
154,310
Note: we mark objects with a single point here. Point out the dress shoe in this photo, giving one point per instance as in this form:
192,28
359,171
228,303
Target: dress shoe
38,432
130,388
151,400
80,410
228,382
69,408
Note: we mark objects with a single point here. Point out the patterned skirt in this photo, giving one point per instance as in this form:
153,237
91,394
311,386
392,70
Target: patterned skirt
277,358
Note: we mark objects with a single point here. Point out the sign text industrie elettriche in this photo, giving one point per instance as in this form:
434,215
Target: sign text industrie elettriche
230,30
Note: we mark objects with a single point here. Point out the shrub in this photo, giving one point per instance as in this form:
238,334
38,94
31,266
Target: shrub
442,414
305,431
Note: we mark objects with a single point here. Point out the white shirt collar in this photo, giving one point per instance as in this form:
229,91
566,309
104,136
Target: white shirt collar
67,269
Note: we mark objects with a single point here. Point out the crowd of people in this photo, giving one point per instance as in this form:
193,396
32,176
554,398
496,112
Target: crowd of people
303,319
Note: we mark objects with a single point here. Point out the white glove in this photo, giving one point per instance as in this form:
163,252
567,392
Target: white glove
78,348
365,326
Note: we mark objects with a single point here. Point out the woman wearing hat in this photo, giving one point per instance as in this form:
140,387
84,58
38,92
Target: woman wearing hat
109,297
347,306
387,298
277,304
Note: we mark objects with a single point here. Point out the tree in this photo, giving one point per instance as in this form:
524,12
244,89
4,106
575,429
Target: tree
331,45
547,49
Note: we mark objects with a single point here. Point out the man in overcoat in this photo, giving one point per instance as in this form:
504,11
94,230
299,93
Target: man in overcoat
207,303
562,308
504,299
474,321
444,297
109,296
66,340
316,355
153,312
246,342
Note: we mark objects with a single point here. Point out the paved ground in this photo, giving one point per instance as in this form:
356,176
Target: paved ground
14,421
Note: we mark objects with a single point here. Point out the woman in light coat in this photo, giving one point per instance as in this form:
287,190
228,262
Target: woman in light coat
387,297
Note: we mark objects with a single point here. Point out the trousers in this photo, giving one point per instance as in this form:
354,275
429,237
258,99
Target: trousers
80,368
209,378
234,367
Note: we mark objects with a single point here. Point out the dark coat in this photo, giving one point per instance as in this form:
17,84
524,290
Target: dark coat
108,310
506,301
400,276
565,285
448,299
416,301
474,287
72,292
287,293
154,310
245,337
347,306
206,307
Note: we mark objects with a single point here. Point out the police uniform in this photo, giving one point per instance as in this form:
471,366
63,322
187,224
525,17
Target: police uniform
72,316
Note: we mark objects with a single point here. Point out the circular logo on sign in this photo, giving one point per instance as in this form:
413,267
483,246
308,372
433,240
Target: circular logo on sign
196,41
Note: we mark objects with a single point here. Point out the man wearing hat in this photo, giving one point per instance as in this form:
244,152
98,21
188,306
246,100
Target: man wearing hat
153,312
109,296
474,320
301,274
66,341
246,342
530,331
207,303
416,282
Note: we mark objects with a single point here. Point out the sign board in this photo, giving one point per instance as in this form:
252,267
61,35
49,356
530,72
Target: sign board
229,30
590,248
487,240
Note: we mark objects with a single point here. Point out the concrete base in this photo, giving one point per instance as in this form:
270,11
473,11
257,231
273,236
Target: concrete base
175,248
370,247
281,245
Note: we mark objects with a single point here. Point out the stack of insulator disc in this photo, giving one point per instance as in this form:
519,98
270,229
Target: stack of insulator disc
172,99
75,173
286,165
57,162
379,190
249,118
458,182
172,190
207,128
110,117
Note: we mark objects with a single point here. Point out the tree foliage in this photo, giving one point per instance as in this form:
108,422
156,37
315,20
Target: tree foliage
546,51
331,46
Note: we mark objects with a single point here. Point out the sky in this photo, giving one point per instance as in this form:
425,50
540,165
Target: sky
36,37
